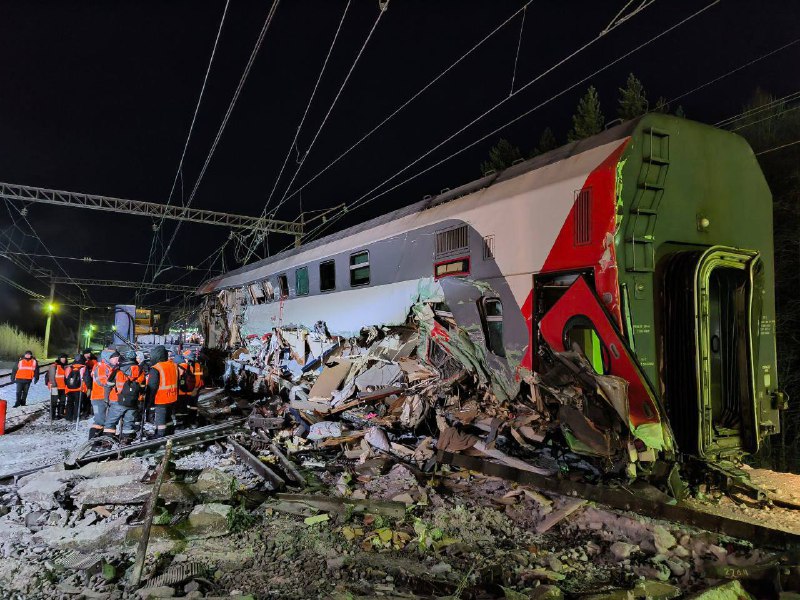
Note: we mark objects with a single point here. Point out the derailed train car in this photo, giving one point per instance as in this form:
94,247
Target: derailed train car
647,249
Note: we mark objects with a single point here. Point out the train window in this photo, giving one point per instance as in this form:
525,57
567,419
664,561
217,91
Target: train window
580,331
283,285
452,240
492,317
359,268
301,281
450,268
327,276
488,247
269,291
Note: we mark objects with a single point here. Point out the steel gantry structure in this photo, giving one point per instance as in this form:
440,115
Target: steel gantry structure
165,287
27,193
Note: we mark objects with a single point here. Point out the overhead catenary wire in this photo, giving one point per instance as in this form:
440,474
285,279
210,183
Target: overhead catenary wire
767,118
366,199
781,147
382,9
89,259
179,171
293,145
755,110
735,70
268,20
519,45
402,106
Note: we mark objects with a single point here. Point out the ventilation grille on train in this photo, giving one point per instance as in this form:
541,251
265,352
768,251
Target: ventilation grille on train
583,217
452,240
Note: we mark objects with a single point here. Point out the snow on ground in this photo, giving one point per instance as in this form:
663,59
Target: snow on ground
40,442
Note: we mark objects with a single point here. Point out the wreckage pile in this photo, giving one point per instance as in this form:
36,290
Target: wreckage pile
336,488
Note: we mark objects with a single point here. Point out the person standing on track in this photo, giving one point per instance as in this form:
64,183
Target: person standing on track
75,377
54,379
90,360
187,400
124,398
101,387
162,388
24,372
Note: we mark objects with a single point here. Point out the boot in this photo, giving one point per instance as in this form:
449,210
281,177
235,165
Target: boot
160,433
94,432
126,439
52,409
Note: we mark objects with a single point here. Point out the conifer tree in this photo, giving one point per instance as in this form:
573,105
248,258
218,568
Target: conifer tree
501,156
588,119
632,99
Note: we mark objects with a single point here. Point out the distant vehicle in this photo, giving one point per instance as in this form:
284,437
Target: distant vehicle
649,246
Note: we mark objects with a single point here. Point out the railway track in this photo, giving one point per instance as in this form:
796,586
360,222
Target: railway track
621,499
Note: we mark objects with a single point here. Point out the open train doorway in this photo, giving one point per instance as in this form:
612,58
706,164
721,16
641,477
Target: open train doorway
711,305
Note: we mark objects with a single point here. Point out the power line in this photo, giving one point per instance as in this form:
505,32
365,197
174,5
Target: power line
767,118
89,259
221,129
363,200
382,9
308,106
179,170
402,106
782,146
732,71
757,109
519,45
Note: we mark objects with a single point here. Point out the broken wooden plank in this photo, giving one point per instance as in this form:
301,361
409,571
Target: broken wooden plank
288,465
558,515
141,551
367,398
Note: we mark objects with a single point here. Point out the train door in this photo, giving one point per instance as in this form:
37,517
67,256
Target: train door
570,314
711,302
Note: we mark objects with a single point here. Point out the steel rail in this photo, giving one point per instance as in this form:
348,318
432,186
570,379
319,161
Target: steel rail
624,500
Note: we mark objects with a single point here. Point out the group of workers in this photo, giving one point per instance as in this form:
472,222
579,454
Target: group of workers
121,388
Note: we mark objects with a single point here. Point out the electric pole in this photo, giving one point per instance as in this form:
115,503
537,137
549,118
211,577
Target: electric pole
50,308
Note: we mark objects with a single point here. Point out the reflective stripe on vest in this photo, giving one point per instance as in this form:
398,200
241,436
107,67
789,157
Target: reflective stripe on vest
167,382
100,375
60,374
25,369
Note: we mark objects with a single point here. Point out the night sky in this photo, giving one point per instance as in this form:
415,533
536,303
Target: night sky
98,97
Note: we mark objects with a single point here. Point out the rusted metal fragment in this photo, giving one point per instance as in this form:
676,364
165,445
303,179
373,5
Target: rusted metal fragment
259,467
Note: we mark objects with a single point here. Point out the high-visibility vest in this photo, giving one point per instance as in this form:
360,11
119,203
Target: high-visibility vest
120,378
60,374
100,375
90,364
25,369
82,371
167,382
197,371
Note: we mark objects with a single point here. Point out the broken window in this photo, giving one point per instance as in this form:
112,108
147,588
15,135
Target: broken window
269,291
488,247
359,268
492,313
327,276
580,332
283,285
449,268
301,281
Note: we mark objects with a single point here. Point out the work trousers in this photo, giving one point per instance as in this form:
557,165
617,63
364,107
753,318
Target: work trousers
73,405
57,401
163,417
23,385
116,413
99,408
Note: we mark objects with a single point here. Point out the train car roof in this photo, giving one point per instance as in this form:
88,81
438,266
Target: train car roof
573,148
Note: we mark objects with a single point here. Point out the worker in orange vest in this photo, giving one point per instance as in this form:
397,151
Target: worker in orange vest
24,372
162,388
90,360
54,379
124,398
187,400
75,377
101,387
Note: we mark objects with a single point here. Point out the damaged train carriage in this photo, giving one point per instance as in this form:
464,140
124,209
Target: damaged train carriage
636,266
